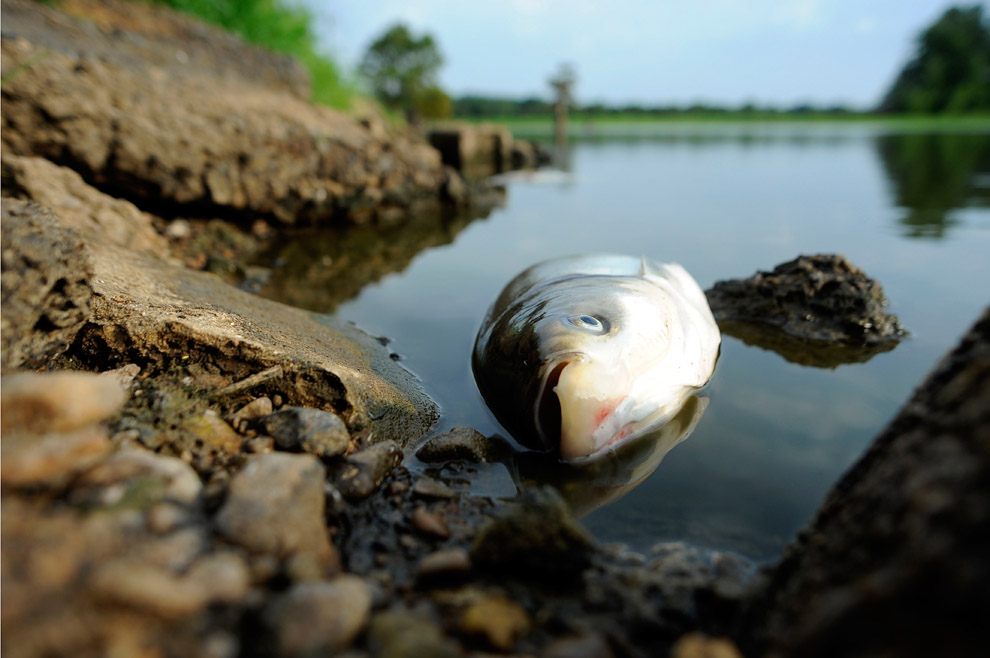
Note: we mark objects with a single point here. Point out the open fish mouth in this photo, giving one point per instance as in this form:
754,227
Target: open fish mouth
547,410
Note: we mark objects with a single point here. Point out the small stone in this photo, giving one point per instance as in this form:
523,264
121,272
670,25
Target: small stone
406,634
398,488
33,403
53,459
166,517
224,575
317,432
449,561
460,443
500,620
320,617
213,431
178,229
253,410
179,482
148,587
276,504
428,487
363,472
429,523
699,645
258,444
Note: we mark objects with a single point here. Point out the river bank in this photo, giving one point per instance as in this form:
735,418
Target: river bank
189,469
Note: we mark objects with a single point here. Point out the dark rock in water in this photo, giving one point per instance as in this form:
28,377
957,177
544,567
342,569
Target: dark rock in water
363,472
895,561
315,618
535,536
460,443
821,298
276,505
320,433
45,285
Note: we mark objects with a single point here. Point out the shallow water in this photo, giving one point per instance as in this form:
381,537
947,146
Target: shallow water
913,210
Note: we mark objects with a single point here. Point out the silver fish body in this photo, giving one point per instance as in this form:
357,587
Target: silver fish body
583,354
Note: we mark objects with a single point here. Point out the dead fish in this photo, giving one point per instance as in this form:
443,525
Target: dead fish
583,354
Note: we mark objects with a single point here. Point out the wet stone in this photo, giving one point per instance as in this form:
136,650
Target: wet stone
362,473
427,487
459,444
429,523
317,432
536,536
319,617
499,620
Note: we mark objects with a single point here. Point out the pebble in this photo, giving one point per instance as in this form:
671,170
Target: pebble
35,403
449,561
253,410
124,375
500,620
363,472
429,523
317,432
224,574
180,482
214,431
320,617
580,646
428,487
52,460
699,645
150,588
276,504
407,634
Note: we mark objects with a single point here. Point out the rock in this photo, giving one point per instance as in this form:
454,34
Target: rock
699,581
214,431
145,307
534,537
363,472
427,487
141,476
317,432
699,645
245,146
45,285
894,561
406,634
474,150
57,402
276,505
500,620
123,375
147,587
315,618
821,298
429,523
460,443
445,562
580,646
253,410
29,460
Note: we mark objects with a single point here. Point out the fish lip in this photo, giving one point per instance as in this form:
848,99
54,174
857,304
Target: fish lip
551,374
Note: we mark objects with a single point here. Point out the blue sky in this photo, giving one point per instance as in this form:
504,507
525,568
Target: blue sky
780,52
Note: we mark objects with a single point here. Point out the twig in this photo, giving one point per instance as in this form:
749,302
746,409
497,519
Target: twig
248,382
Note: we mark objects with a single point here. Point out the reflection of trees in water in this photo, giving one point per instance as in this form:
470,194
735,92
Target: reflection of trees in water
934,174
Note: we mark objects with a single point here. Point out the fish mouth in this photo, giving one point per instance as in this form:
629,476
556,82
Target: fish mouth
547,411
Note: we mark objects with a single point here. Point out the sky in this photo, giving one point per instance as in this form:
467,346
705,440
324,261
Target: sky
660,52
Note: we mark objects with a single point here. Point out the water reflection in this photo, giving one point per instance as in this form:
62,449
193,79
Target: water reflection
319,269
590,486
817,354
933,174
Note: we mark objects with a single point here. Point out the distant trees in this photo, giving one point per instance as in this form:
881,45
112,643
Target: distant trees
950,71
402,70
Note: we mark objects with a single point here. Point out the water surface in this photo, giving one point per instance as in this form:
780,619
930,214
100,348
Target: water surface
913,210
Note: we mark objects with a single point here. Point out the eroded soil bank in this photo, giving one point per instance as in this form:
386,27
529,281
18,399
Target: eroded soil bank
190,469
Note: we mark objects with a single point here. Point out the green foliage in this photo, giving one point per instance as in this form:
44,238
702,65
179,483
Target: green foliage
402,68
950,72
278,27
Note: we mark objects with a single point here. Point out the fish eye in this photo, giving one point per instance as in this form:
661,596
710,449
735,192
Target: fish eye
587,322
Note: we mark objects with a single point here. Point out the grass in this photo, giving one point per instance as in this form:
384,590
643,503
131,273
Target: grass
281,28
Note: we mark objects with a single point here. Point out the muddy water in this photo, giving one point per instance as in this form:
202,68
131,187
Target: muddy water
912,209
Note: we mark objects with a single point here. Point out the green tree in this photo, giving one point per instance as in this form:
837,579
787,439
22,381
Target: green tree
950,71
402,69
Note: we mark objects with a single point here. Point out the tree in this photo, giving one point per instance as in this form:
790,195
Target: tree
402,70
951,69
